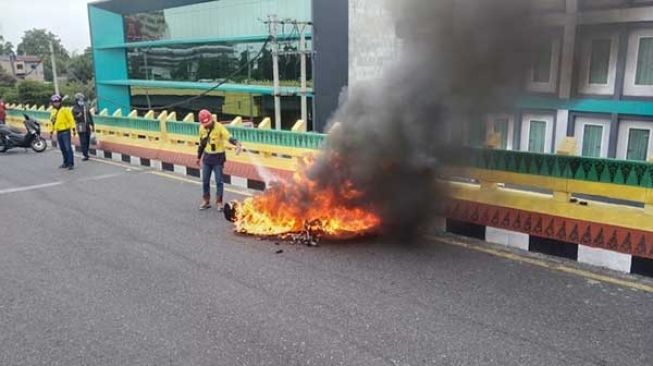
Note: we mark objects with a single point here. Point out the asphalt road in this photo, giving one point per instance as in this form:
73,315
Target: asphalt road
109,266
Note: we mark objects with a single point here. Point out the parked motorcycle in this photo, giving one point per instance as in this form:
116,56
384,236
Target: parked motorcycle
13,138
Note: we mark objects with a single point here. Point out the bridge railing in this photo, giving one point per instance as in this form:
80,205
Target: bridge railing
165,129
563,175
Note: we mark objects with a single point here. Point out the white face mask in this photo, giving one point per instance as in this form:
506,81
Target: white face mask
80,103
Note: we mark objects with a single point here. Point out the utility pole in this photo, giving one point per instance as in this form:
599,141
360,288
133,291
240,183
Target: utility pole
249,80
301,27
302,51
275,71
54,70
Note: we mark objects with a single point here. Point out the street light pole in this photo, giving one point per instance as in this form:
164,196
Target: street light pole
54,70
275,72
302,51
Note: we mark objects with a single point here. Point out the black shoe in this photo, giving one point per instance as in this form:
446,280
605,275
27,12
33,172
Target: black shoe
70,167
85,158
63,166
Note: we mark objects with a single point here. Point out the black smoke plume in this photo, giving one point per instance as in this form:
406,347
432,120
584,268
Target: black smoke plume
460,60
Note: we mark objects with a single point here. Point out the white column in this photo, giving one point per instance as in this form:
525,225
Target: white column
562,122
568,46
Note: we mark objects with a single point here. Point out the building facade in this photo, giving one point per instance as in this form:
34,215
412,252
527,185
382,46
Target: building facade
173,53
592,81
23,67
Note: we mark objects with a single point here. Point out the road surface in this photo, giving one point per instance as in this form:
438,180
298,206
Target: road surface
111,265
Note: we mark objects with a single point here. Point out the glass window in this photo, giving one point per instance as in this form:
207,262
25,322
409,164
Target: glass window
638,141
542,65
644,74
602,4
501,127
536,136
600,61
223,18
215,62
592,140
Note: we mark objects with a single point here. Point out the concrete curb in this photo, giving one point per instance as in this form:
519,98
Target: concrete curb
620,262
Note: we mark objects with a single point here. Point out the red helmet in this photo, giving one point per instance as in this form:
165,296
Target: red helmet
205,117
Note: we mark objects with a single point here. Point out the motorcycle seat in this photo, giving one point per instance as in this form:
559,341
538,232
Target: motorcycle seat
8,130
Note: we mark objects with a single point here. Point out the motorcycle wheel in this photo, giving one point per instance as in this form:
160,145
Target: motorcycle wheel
39,145
3,147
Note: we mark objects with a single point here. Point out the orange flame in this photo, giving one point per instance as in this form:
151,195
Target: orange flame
302,204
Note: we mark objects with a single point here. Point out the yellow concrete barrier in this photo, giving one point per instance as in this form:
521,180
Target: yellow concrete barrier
266,124
190,117
300,126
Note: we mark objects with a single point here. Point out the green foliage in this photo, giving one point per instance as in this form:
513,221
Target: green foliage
36,42
6,80
72,88
80,67
6,48
9,94
34,92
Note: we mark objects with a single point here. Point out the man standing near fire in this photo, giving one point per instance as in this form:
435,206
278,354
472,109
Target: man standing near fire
211,155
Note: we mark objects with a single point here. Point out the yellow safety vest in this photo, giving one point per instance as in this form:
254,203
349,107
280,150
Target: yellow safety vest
62,119
217,141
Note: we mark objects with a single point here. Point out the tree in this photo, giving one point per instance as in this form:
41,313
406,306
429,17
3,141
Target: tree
80,67
72,88
34,92
6,48
6,80
36,42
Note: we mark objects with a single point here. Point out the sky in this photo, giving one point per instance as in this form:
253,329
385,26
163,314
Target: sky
67,19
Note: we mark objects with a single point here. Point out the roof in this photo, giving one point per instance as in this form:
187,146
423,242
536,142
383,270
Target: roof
140,6
25,58
28,58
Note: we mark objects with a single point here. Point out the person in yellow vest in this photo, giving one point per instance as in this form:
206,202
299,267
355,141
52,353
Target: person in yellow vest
211,155
63,126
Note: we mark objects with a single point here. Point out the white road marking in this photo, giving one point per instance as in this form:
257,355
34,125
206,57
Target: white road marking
29,188
186,180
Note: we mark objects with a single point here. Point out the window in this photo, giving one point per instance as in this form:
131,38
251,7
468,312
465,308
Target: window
536,137
644,74
639,65
542,67
548,5
598,66
635,140
212,19
212,63
544,71
600,61
593,136
537,133
601,4
501,124
638,140
501,128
